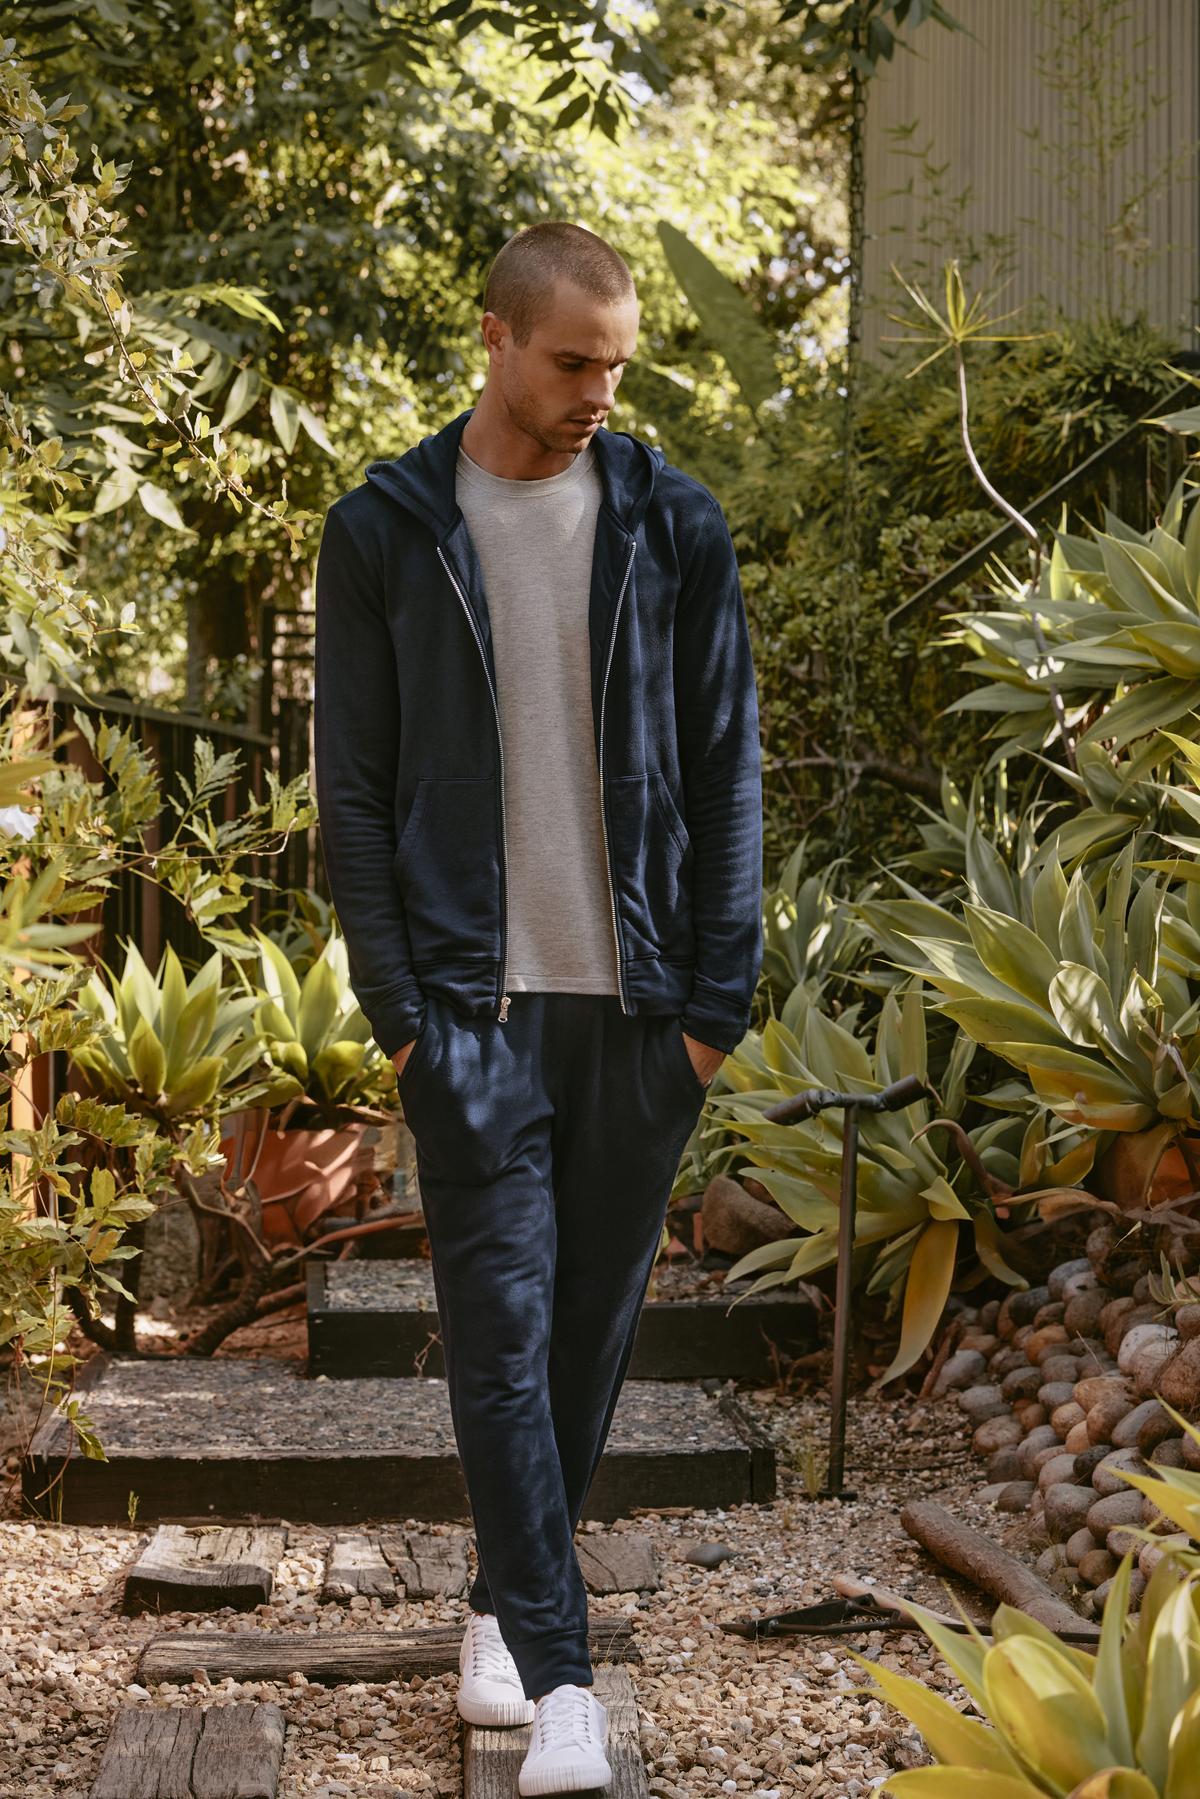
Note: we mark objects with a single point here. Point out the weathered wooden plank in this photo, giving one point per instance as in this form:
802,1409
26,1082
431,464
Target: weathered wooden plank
215,1752
205,1567
357,1567
339,1658
492,1758
617,1562
431,1567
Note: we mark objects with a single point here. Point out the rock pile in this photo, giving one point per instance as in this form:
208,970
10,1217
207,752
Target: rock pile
1062,1384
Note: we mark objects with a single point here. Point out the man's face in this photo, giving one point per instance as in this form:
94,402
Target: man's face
561,385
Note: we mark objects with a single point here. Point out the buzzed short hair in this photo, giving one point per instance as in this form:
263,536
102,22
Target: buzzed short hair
521,280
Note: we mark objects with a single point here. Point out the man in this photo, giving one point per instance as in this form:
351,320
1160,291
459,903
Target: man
538,772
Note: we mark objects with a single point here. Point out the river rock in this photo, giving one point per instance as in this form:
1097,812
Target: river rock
1050,1313
1089,1459
1083,1282
1042,1340
1020,1308
962,1369
1051,1560
1094,1359
1106,1475
1054,1393
1191,1451
1083,1311
1123,1539
982,1403
1179,1379
1067,1508
982,1342
1059,1466
1187,1322
1015,1496
1144,1416
1110,1322
1043,1436
1149,1365
1151,1554
1030,1413
1147,1335
1058,1277
1080,1543
1003,1464
1064,1417
1022,1383
1103,1419
1097,1566
1005,1360
1061,1367
1167,1454
1118,1508
1137,1586
988,1315
1090,1392
994,1434
1077,1437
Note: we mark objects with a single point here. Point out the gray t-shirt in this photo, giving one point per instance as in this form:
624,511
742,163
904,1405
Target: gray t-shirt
534,541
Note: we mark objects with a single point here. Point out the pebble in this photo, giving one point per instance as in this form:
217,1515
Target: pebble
982,1403
1118,1508
1056,1281
1127,1433
962,1369
1058,1467
1014,1496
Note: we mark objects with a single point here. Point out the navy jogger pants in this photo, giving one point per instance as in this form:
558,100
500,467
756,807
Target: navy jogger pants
546,1149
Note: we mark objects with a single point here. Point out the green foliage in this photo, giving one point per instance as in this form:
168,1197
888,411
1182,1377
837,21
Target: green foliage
1121,1724
315,1036
912,1202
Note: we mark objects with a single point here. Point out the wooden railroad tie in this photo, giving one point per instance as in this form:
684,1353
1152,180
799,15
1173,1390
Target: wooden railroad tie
492,1758
208,1752
204,1567
338,1658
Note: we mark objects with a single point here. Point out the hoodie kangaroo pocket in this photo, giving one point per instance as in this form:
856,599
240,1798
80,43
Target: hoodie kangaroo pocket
448,870
653,860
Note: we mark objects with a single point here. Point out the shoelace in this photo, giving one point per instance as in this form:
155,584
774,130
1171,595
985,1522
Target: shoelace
489,1654
562,1719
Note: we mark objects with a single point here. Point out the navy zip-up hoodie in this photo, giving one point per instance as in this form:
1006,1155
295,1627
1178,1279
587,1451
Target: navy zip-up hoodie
408,760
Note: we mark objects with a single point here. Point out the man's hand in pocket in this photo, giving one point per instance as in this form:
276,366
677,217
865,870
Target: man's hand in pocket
401,1056
704,1058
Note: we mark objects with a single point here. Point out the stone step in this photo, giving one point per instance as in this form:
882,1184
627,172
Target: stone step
205,1440
380,1318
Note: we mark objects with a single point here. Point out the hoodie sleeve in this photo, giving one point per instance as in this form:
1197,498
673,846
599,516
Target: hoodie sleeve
716,710
356,746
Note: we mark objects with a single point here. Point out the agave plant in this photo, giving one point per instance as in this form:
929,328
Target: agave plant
808,934
913,1205
1121,1724
1120,617
315,1035
167,1046
1088,999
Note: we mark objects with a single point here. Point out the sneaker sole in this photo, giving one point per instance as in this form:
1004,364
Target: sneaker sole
585,1777
496,1712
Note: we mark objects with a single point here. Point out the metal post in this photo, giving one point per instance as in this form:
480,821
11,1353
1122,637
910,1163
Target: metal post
835,1487
901,1093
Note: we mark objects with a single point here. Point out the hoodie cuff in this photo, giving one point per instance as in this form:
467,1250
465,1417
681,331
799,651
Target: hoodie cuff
396,1017
714,1020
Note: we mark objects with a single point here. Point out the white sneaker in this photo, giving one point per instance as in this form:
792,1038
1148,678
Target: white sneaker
566,1750
490,1690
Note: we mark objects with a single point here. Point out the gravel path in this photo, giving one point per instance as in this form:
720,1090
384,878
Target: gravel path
718,1714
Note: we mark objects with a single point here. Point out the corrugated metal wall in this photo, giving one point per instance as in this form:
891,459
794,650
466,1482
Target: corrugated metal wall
1016,161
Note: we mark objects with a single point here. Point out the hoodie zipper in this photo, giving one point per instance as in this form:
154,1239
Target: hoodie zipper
612,891
502,1013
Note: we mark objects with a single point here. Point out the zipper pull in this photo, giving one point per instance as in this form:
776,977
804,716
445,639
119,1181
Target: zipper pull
504,1009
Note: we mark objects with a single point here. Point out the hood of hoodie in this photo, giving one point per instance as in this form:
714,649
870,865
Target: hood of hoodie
423,479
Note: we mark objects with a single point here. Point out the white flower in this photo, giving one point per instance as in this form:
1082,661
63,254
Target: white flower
15,821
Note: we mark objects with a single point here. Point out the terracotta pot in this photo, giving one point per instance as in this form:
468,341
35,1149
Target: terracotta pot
1147,1168
300,1175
